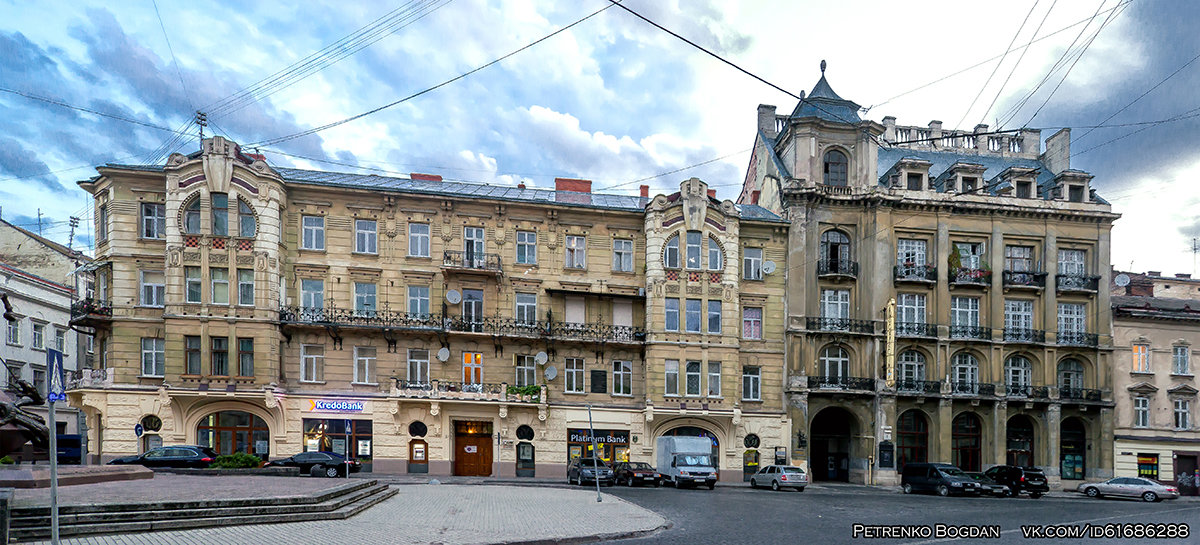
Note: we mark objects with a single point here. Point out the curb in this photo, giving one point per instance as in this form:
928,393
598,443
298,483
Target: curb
595,537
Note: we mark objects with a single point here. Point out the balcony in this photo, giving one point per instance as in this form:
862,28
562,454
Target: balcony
970,332
924,387
1077,283
1080,394
841,383
916,330
88,378
966,276
972,388
466,391
1024,279
598,332
1078,338
85,311
382,319
1023,335
925,274
837,268
471,262
840,324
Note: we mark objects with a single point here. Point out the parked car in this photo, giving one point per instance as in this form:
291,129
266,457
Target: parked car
778,477
986,485
635,473
686,461
318,463
589,470
1020,480
944,479
70,449
180,456
1130,487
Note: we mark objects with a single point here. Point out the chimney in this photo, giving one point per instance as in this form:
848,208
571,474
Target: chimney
1183,276
766,120
1057,156
1153,273
644,191
712,193
573,190
889,128
425,177
754,196
980,142
521,185
935,129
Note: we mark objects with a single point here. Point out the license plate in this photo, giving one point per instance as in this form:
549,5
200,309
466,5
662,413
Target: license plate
647,478
699,479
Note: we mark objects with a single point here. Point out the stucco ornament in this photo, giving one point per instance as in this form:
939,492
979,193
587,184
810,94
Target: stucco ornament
218,164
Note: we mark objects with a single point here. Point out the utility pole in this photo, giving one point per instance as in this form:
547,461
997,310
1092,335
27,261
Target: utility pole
71,237
39,222
595,454
202,121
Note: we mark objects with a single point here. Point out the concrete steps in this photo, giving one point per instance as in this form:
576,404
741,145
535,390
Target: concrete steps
32,524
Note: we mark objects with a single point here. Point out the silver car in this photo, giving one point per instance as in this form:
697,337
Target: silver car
780,477
1130,487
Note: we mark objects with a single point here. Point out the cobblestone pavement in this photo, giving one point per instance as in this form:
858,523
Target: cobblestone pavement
168,487
438,514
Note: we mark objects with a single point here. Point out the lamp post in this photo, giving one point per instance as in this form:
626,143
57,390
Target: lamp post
595,453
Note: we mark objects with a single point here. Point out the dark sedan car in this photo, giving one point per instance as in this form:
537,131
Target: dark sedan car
318,463
589,470
635,473
181,456
987,486
1020,480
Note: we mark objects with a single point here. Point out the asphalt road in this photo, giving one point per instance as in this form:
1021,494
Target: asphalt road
827,515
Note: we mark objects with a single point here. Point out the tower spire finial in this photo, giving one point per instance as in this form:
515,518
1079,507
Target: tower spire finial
822,67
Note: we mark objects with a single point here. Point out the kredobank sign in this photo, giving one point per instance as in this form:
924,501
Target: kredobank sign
334,405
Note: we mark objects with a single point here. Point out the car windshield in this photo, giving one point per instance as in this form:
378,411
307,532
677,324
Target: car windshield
976,476
693,460
589,462
208,452
638,465
952,471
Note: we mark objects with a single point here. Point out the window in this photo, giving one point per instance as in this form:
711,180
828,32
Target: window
671,253
473,246
193,285
472,368
910,308
1147,466
527,247
245,357
364,299
366,237
220,214
418,366
1075,193
714,316
714,379
692,316
671,314
970,254
1070,318
1183,414
312,293
910,252
752,383
39,381
153,288
220,286
1180,360
154,220
102,223
1141,358
835,363
716,258
1070,374
969,184
671,369
191,359
39,336
14,332
622,255
693,249
1018,315
220,356
154,357
1071,262
1018,258
835,304
526,308
912,367
312,363
247,225
964,311
966,373
692,377
752,259
191,217
1018,374
835,168
418,239
835,250
60,339
1024,190
245,287
622,378
1141,412
573,380
752,322
418,300
576,249
364,364
313,236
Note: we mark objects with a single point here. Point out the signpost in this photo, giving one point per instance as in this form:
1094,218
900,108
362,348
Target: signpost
595,454
55,391
346,451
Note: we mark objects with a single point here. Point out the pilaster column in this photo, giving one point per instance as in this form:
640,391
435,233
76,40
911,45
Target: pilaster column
945,415
999,434
1103,450
1053,439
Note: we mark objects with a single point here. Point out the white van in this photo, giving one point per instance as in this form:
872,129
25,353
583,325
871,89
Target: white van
687,461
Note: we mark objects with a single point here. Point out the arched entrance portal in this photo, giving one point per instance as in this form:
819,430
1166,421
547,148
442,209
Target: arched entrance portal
1073,449
228,432
693,431
830,446
966,438
1020,441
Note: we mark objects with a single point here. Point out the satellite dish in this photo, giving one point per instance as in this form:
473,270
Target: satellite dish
541,358
768,267
551,372
443,354
1121,280
453,297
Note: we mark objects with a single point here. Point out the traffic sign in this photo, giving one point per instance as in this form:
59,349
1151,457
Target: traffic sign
138,430
56,389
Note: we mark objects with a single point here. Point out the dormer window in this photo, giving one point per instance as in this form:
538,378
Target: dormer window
914,181
1025,190
835,168
191,218
1075,193
220,214
969,184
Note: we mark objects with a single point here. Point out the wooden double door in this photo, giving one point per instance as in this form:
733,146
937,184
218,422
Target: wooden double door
473,449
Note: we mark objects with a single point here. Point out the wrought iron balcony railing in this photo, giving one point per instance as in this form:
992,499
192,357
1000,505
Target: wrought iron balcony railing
1078,338
88,378
597,332
919,386
837,267
915,273
972,332
1017,390
471,260
916,330
842,383
1080,394
971,277
1024,279
840,324
91,307
366,318
1077,282
508,327
1039,392
1023,335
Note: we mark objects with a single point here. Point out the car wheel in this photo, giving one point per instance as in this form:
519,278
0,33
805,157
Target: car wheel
1092,492
331,472
753,483
1149,497
800,489
657,483
1035,495
629,481
943,490
907,488
712,485
775,486
1010,493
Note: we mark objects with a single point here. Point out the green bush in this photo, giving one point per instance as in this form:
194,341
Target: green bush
7,460
533,390
237,460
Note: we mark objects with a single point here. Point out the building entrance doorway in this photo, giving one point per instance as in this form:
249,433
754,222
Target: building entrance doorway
830,444
473,448
1020,441
1073,449
1186,474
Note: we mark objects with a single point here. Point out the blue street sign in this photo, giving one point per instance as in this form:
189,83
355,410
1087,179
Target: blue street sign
56,384
138,430
348,424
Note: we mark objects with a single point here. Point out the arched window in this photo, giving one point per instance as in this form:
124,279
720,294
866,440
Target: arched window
835,168
716,259
228,432
220,214
835,251
247,225
1019,441
1070,374
966,440
912,370
912,438
671,253
965,371
693,249
835,364
1018,374
191,217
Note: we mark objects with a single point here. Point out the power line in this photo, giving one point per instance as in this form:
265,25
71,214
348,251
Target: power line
1109,19
999,91
82,109
997,67
1141,96
668,173
178,72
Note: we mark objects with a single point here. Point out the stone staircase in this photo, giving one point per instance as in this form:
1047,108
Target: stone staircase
33,523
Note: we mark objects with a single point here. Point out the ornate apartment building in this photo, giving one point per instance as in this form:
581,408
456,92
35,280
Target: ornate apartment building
994,254
423,325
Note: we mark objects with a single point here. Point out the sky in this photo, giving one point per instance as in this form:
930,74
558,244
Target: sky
611,99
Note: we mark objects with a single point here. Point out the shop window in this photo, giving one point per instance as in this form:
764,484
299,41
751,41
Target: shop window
227,432
613,444
332,435
1147,465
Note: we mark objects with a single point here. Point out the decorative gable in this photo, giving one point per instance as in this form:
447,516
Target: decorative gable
1144,388
1182,390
